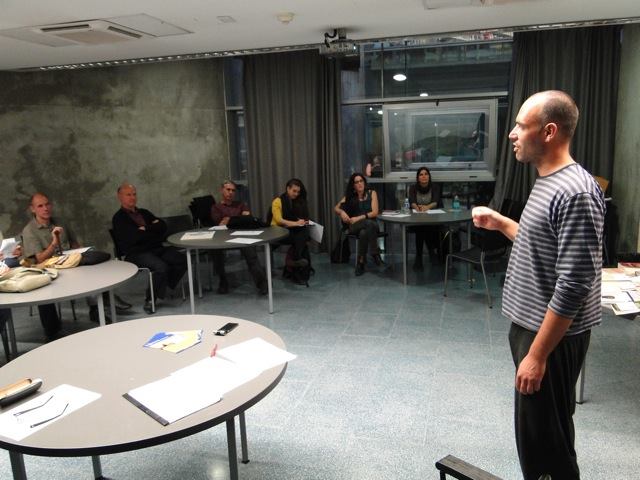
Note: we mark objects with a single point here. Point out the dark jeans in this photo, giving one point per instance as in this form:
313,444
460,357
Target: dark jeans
426,234
544,420
250,255
367,233
49,319
298,237
168,265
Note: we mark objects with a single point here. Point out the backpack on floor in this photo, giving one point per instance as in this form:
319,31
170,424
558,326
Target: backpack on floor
299,275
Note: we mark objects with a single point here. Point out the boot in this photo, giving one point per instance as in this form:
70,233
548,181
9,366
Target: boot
360,265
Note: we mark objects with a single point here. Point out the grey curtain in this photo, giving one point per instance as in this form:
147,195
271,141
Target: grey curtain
583,62
292,113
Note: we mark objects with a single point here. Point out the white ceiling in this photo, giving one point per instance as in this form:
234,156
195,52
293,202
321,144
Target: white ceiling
257,26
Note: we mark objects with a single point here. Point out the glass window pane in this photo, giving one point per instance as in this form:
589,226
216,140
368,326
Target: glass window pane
233,73
237,144
361,75
362,142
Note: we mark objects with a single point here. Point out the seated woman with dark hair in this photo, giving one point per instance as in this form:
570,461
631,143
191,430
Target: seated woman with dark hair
424,195
290,210
358,210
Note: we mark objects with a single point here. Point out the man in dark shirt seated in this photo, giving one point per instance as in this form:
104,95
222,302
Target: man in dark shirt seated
139,235
220,214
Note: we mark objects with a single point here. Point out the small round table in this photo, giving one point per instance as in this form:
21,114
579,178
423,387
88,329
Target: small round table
448,217
220,241
74,283
112,361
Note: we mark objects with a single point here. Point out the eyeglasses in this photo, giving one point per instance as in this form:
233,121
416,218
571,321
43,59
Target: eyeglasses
42,422
358,181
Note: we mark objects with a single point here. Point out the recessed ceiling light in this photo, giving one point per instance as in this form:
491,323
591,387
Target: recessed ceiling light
399,77
424,94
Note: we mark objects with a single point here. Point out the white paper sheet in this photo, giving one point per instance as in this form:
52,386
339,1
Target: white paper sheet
224,374
256,354
396,215
76,250
18,427
206,235
435,210
316,231
248,233
176,396
243,241
7,247
219,227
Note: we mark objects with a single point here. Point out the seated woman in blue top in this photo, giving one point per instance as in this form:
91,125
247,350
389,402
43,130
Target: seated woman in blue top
424,195
358,210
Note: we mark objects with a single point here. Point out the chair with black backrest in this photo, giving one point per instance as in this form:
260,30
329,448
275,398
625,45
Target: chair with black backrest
344,233
120,256
200,208
4,319
487,247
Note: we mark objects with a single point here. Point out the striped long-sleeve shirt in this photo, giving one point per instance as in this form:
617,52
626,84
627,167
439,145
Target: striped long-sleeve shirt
556,261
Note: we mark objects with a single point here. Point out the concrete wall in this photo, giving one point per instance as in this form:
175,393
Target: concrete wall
77,135
626,172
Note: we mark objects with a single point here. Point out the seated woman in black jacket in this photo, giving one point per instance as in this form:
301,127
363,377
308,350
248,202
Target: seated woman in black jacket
358,210
424,195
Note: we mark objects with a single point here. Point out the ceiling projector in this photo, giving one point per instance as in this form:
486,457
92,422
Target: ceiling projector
340,47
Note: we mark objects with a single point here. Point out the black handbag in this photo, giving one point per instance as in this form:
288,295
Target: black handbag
93,257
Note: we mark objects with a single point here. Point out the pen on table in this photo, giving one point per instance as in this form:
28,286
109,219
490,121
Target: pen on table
213,352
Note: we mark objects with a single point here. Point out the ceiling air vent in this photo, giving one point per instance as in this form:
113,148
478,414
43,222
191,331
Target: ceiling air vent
95,32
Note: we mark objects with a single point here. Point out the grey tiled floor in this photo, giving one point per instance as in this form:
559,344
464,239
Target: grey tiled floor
389,378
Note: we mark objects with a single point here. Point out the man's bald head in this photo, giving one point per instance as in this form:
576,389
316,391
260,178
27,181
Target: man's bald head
127,196
41,207
557,107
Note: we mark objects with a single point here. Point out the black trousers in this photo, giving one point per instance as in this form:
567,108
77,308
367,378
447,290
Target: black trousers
426,234
367,232
250,255
298,237
544,420
50,320
168,265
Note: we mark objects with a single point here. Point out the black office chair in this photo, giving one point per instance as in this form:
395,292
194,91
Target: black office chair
200,208
117,253
4,319
344,233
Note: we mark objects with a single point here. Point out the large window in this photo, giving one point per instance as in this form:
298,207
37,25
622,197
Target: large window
458,138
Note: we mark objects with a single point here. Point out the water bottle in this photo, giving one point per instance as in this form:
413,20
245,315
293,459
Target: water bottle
456,203
406,208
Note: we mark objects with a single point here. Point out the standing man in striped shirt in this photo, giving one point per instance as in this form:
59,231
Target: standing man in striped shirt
552,288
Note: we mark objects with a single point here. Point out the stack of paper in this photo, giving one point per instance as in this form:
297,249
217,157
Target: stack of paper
205,382
200,235
621,290
175,342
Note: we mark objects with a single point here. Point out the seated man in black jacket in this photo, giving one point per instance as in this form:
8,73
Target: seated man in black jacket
139,235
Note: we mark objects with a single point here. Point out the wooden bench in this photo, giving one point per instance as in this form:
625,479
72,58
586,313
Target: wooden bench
461,470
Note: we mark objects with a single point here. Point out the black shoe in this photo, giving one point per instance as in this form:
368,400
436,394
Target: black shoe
223,288
377,259
122,304
359,268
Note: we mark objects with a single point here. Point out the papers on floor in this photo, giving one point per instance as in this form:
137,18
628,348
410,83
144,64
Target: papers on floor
219,227
205,382
76,250
7,247
248,233
175,342
200,235
43,410
243,241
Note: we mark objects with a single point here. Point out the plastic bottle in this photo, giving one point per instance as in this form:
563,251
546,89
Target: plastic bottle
406,208
456,203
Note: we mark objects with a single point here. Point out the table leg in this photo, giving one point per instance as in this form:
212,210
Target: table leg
231,446
101,311
198,274
17,466
267,262
243,438
404,253
580,395
190,276
97,467
13,343
112,302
